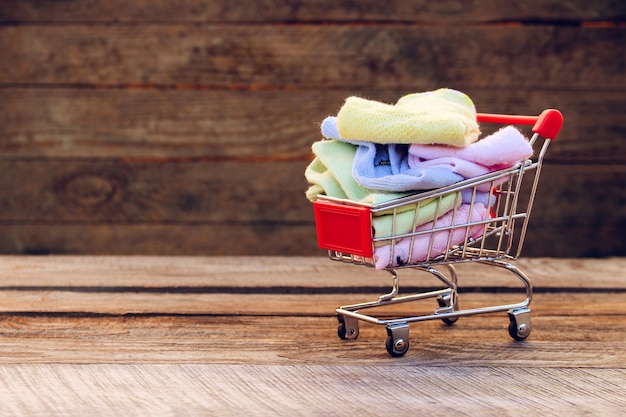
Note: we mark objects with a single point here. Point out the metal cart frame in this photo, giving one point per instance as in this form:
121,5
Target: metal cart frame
345,229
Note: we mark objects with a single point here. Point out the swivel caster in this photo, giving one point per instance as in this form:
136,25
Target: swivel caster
397,339
348,328
519,323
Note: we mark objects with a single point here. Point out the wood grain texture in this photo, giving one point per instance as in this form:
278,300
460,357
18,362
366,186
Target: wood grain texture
254,239
444,11
168,390
117,318
117,191
271,274
152,239
314,56
225,302
144,192
268,353
229,207
136,128
556,342
153,123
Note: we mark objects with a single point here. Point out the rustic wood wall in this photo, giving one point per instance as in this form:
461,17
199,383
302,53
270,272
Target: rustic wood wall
184,127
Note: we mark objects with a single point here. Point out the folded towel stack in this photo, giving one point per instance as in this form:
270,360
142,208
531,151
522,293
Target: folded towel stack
330,174
374,152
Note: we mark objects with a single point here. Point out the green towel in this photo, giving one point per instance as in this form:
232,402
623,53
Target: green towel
443,116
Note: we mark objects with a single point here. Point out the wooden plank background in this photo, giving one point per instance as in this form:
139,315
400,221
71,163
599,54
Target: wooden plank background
183,127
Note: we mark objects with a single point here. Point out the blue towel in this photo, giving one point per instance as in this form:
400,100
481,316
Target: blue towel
385,167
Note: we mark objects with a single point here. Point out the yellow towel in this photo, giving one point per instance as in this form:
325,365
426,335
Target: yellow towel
444,116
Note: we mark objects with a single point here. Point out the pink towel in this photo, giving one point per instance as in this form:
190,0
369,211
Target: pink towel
402,254
501,150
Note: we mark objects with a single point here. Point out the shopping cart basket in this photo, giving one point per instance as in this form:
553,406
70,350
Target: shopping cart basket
490,233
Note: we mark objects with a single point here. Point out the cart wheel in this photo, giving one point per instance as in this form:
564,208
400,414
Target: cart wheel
444,302
450,320
397,343
347,329
519,324
396,347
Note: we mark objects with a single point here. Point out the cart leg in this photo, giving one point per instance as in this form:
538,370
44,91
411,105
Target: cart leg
397,339
348,327
448,303
519,323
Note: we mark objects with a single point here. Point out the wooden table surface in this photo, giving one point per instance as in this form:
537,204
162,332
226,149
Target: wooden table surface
178,336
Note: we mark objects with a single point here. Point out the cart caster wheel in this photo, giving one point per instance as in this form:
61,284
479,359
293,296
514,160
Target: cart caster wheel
444,306
397,347
348,328
450,321
519,323
397,339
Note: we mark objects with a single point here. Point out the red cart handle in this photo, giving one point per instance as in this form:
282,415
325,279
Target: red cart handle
547,124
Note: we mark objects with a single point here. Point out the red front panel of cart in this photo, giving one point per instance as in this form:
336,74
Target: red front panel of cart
343,228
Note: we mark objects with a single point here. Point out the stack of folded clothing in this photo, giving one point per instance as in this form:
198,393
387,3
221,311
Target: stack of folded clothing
374,152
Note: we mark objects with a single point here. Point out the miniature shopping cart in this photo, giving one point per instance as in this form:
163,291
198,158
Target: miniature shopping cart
346,229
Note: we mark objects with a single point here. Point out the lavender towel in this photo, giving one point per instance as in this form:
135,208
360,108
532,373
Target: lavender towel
502,149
